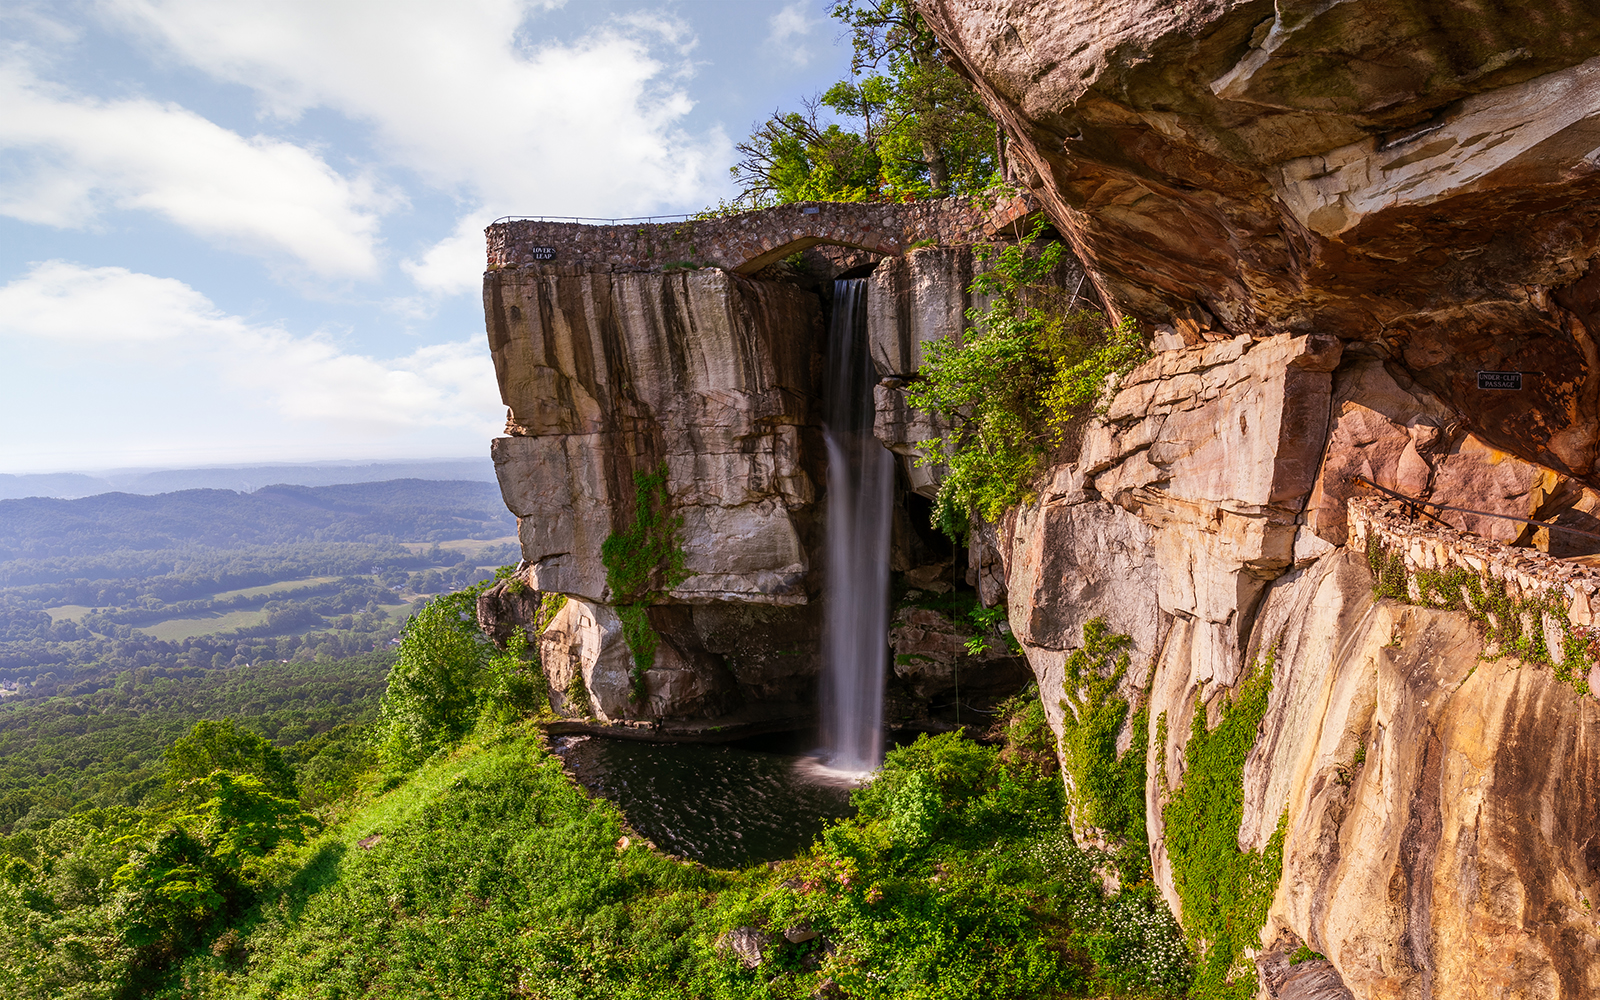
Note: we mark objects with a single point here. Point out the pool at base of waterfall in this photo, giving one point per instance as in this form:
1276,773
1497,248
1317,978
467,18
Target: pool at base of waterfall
724,805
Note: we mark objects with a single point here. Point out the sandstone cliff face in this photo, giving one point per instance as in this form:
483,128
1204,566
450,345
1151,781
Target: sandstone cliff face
1420,176
1440,809
1330,217
710,377
607,375
610,373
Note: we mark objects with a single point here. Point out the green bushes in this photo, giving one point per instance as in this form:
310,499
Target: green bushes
1108,792
1225,891
643,563
489,873
434,687
449,674
1008,386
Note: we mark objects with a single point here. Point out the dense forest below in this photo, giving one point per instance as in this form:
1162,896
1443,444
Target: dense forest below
126,618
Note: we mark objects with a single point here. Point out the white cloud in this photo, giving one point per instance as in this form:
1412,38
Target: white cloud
453,91
131,357
788,28
454,264
70,156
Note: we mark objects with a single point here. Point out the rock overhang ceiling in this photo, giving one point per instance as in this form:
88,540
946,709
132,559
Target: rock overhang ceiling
1420,177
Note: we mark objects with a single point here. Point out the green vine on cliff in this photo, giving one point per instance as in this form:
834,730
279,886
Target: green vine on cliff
1225,891
1107,791
1008,386
642,563
1516,627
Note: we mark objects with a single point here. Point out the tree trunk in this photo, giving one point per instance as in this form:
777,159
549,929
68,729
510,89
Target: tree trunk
938,170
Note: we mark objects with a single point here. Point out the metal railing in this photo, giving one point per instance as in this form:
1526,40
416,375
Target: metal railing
1421,506
587,219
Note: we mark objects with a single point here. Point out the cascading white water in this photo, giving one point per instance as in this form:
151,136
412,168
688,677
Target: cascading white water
860,484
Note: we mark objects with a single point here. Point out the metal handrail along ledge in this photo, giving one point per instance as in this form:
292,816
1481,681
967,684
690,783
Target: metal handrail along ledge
1420,504
584,218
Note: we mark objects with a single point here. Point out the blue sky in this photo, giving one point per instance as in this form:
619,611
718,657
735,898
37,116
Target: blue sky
240,231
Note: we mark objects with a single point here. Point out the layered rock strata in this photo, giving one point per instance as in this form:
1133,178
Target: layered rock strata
1419,176
1406,767
708,381
1330,217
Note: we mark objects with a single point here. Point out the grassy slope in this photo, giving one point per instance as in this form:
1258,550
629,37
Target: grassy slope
490,874
490,871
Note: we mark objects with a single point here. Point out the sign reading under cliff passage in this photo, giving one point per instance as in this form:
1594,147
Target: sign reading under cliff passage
542,253
1499,380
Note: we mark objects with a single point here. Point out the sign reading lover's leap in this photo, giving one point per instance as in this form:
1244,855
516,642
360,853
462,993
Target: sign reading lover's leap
1499,380
541,253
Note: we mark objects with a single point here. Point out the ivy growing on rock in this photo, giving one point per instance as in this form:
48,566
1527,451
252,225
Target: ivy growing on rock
642,563
1515,627
1107,791
1225,891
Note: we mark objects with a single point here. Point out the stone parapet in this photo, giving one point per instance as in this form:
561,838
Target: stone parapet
1528,574
749,241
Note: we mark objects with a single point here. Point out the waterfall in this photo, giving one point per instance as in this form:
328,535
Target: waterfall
860,485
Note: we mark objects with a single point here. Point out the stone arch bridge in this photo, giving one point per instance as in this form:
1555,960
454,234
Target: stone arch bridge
747,242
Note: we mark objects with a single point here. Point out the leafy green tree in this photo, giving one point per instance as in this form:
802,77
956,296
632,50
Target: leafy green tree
517,685
907,125
223,745
171,894
243,822
435,685
1008,386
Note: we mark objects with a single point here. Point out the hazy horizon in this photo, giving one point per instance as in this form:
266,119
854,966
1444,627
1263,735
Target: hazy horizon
243,478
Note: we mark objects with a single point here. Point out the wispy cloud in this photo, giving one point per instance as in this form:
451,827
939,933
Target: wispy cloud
254,388
789,31
460,95
66,158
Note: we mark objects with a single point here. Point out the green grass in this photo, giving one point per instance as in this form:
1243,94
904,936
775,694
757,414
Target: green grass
67,611
177,629
462,544
282,587
488,873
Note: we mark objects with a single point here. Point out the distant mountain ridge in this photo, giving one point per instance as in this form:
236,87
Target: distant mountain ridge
402,509
242,479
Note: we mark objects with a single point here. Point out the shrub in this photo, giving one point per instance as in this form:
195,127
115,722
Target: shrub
213,745
1008,386
434,687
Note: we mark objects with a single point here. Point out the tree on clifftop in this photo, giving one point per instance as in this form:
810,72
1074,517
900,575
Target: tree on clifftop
905,124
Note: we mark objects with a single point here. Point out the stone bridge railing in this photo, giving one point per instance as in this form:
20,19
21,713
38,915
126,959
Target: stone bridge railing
747,242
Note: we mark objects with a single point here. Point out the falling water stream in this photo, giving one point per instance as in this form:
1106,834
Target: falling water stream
860,486
763,800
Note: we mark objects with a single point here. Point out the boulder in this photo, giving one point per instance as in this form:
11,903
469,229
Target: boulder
930,658
748,944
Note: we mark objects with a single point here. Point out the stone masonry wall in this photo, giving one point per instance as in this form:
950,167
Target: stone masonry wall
751,240
1528,574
